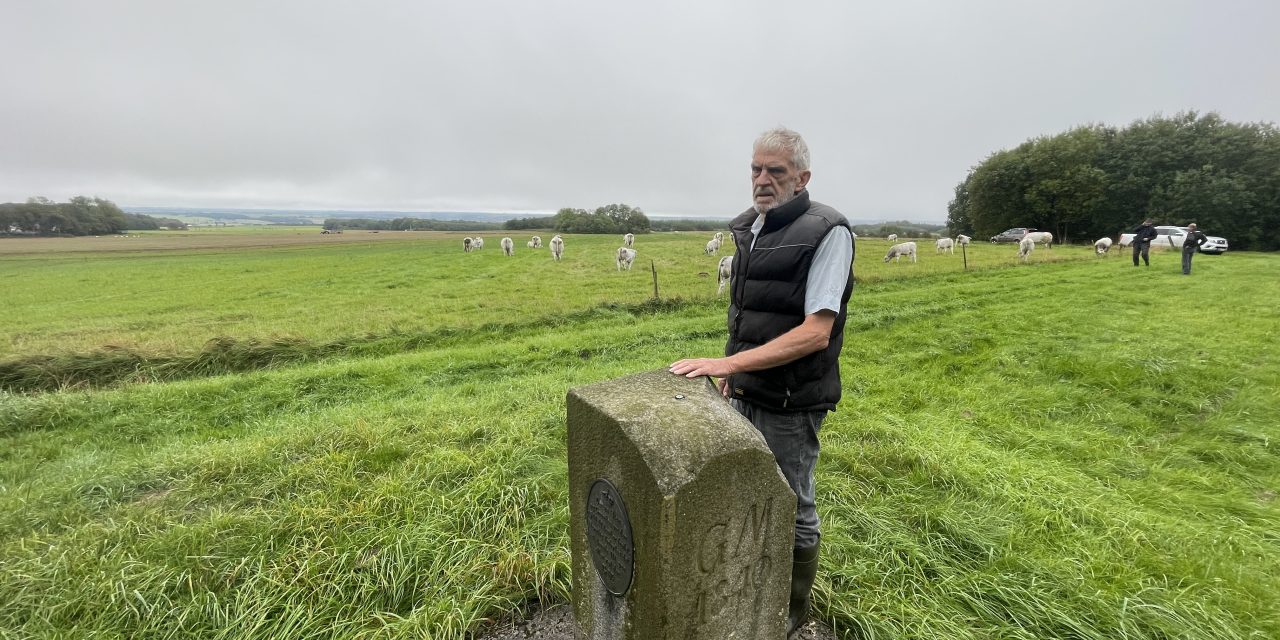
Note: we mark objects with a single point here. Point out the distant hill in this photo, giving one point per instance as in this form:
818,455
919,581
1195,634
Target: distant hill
198,215
209,215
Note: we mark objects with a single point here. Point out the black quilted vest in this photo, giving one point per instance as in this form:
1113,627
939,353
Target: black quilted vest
767,300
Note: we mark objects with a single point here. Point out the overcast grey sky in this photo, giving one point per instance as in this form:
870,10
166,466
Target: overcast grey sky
532,106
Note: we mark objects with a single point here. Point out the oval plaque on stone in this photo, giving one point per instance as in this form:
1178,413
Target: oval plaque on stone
609,536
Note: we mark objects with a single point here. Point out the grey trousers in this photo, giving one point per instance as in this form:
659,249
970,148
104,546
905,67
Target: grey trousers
1186,261
793,439
1143,249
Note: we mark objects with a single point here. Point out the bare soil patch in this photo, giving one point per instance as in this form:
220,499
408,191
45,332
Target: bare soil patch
556,623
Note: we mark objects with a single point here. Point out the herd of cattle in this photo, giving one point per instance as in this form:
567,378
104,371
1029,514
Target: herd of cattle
626,254
947,245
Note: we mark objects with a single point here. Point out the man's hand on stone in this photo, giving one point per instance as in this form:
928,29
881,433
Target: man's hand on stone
695,367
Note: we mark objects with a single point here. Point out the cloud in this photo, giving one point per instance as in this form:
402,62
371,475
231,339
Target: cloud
537,106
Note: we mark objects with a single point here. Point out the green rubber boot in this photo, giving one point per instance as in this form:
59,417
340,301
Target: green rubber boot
804,568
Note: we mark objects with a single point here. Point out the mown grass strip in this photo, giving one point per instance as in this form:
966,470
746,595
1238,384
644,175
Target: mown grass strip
224,355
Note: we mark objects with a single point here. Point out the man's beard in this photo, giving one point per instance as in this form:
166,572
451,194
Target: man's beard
763,209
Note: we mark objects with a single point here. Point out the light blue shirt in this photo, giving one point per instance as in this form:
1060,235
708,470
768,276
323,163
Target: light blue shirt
829,272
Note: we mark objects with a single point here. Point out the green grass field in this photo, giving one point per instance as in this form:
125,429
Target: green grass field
170,299
366,440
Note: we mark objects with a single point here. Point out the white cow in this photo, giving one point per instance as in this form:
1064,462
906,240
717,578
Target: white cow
1025,247
1040,237
1102,246
508,247
625,258
713,247
535,242
467,245
946,245
962,240
629,240
901,249
557,247
893,237
477,243
726,272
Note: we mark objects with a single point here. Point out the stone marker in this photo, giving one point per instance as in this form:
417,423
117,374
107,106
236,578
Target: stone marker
681,524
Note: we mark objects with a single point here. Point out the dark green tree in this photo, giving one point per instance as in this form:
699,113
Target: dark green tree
79,216
1099,181
625,219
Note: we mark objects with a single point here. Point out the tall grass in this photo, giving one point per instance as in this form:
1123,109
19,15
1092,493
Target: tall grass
1076,449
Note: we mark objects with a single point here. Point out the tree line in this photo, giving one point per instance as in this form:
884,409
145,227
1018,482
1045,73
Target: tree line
408,224
610,218
1096,180
144,222
901,228
80,216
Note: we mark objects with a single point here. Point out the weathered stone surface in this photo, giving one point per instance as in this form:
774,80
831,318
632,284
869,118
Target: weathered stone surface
710,515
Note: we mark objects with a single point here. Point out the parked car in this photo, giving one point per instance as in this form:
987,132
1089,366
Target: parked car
1171,237
1011,235
1215,245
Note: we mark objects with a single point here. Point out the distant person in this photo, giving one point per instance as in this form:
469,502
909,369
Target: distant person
1190,246
1143,234
789,295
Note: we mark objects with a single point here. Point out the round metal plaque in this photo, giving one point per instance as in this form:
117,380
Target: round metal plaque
609,536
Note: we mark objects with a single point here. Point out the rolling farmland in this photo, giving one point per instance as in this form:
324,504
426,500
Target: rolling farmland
279,434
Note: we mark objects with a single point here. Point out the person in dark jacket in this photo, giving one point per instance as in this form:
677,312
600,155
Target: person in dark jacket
792,278
1190,246
1143,234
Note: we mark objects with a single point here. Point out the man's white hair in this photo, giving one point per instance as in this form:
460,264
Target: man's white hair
784,140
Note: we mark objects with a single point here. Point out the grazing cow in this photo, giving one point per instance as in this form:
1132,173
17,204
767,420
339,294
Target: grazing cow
557,247
1102,246
901,249
477,243
629,240
625,258
467,245
726,273
946,245
713,247
962,240
535,243
1040,237
1025,247
893,237
508,247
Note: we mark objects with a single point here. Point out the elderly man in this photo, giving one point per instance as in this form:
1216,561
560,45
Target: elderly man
792,278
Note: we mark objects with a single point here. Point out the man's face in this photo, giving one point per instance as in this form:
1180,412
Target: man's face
774,180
